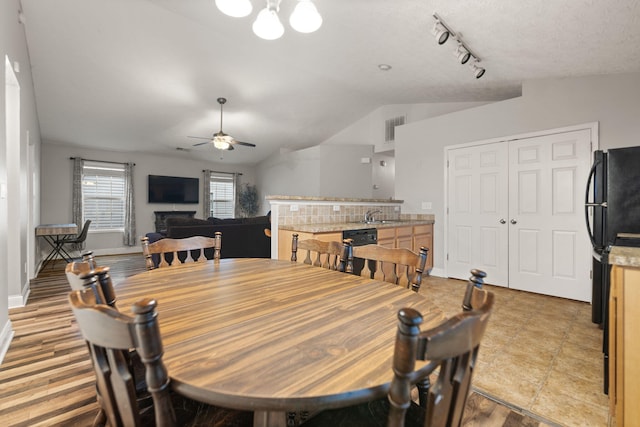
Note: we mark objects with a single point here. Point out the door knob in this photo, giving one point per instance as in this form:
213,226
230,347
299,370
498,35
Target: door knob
503,221
513,221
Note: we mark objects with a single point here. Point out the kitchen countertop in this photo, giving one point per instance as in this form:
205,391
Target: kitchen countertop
625,256
330,199
329,228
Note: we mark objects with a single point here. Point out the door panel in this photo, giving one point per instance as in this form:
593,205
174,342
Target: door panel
478,201
546,178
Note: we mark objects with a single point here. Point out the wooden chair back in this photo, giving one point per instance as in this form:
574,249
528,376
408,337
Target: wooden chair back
110,334
394,265
452,347
319,253
180,251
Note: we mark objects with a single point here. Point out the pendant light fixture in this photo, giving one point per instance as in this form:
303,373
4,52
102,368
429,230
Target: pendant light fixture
304,18
267,25
235,8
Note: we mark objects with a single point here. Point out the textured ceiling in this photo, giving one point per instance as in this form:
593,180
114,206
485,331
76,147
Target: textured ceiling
141,75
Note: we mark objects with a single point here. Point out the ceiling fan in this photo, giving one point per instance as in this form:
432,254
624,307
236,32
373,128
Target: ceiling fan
221,140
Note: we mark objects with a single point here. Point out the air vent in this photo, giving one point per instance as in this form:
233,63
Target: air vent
390,128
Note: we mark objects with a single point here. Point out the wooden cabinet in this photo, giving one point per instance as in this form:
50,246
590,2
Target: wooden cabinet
624,345
285,236
387,237
423,236
404,237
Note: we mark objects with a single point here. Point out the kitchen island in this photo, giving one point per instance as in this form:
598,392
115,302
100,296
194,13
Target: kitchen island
326,218
624,335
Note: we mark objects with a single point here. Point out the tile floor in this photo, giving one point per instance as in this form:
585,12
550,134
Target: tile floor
540,354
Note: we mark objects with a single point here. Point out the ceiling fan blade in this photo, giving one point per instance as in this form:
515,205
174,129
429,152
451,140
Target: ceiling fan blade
230,148
199,137
248,144
202,143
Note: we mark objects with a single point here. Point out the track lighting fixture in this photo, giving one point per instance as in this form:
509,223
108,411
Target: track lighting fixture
462,54
304,18
477,71
442,32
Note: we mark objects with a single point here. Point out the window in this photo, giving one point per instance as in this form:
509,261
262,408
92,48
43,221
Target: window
103,195
222,189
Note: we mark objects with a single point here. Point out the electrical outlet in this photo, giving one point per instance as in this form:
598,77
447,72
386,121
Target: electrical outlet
336,208
294,208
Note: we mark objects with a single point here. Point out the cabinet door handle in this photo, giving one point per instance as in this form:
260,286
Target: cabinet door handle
513,221
503,221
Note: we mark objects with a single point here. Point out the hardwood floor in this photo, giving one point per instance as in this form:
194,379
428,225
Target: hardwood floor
46,378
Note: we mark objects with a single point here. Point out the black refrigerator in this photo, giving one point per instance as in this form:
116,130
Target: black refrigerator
612,210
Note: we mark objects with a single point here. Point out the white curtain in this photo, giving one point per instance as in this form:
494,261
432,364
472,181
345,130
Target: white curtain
76,198
206,197
129,238
236,186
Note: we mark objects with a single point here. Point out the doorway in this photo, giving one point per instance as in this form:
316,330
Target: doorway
515,211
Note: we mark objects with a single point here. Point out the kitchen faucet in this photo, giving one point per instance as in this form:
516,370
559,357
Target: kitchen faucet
368,217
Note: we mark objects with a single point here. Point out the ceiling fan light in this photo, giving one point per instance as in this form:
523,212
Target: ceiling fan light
222,142
267,25
235,8
305,17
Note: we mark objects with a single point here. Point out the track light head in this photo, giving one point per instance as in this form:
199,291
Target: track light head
441,32
462,54
476,70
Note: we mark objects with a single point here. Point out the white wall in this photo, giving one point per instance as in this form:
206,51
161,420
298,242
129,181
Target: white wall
371,128
321,171
57,179
19,167
611,100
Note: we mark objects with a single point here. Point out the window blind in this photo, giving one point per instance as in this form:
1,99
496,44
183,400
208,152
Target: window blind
103,195
222,190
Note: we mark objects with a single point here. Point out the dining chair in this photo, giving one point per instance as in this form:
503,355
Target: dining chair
401,266
329,255
179,251
75,240
110,334
450,350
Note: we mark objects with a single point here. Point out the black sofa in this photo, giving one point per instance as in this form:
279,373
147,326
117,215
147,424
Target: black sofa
241,237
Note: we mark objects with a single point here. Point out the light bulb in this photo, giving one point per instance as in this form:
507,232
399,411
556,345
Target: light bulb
305,17
235,8
221,143
267,25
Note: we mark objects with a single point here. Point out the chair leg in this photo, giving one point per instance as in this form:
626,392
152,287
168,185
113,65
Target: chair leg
423,391
100,420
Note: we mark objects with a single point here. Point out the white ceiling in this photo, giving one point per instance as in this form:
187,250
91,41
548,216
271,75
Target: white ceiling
141,75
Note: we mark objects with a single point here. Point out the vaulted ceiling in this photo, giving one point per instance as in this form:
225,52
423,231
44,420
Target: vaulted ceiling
142,75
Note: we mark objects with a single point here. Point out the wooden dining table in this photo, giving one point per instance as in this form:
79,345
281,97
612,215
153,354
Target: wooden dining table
275,337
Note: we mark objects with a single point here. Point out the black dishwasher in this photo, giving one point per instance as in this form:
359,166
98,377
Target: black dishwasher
361,237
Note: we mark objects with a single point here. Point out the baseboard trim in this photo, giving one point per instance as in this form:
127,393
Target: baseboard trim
438,272
16,301
5,339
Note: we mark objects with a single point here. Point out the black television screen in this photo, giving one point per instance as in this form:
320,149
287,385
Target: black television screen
173,189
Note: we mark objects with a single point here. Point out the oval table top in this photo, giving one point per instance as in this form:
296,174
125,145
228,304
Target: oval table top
269,335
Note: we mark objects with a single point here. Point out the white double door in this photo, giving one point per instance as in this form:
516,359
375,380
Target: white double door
515,210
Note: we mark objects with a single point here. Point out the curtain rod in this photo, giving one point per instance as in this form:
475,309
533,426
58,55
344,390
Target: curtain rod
103,161
236,173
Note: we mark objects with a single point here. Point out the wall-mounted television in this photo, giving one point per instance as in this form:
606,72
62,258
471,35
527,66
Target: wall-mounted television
173,189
